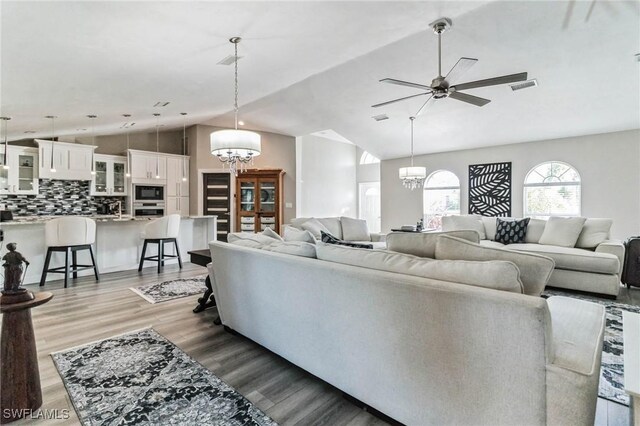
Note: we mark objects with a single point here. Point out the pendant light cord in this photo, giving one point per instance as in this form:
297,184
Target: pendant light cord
235,105
412,118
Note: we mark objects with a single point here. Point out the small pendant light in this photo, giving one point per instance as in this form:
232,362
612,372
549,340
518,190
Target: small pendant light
157,116
93,142
53,140
5,121
184,146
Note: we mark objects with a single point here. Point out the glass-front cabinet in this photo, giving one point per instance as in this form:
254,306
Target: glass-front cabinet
19,171
109,178
258,200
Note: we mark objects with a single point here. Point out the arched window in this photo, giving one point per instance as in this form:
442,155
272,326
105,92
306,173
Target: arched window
367,158
441,197
552,189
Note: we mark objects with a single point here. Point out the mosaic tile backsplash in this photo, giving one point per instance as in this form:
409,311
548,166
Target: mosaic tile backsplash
58,197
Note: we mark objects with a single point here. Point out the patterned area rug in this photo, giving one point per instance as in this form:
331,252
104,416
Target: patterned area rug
141,378
169,290
611,371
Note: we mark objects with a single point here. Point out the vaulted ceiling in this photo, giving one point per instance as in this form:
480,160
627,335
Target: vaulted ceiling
312,66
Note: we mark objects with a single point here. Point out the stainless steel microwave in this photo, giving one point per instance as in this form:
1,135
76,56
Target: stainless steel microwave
148,193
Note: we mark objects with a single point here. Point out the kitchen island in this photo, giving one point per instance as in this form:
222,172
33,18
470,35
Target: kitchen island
118,242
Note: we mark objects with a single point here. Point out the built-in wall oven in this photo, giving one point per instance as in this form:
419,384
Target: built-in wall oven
148,200
148,209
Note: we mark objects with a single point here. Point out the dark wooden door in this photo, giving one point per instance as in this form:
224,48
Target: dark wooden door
217,200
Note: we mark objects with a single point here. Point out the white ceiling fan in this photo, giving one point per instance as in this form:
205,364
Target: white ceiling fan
441,87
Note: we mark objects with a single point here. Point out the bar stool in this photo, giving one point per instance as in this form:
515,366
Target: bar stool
69,235
161,231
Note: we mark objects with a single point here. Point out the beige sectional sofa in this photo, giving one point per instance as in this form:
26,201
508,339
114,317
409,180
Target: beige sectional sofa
593,264
426,342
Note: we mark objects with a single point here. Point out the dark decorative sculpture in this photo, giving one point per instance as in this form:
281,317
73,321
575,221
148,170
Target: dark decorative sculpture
13,270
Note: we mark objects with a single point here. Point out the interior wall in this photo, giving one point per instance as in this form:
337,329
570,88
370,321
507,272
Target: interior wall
609,166
326,184
278,152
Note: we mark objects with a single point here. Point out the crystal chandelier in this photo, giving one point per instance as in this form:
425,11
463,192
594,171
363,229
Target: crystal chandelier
234,147
412,177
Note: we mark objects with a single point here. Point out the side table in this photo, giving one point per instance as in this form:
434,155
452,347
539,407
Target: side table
19,374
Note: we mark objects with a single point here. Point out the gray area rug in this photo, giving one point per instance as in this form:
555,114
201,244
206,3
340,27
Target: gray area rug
612,369
141,378
169,290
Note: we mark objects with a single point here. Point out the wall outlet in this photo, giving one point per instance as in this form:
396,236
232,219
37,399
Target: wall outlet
288,205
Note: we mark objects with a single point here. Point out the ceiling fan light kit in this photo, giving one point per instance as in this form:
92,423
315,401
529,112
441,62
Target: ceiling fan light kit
441,87
234,147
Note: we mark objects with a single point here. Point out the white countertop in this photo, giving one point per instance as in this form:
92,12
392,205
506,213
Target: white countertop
34,220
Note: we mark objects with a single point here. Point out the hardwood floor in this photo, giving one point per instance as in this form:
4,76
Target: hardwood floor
87,311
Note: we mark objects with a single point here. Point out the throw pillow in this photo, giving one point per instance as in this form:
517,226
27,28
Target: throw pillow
511,231
330,239
294,234
268,232
294,248
535,230
354,229
562,231
314,226
260,238
594,232
458,223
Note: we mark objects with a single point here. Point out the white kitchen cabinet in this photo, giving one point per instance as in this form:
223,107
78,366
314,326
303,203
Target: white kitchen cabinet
21,177
177,189
147,167
109,179
71,161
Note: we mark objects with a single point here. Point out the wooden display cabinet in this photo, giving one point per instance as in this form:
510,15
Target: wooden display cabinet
259,200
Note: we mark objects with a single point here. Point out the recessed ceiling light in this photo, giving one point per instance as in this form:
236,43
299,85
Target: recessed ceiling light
161,104
524,84
380,117
241,123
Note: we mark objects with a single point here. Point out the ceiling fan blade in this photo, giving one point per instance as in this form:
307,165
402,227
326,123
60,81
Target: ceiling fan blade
593,3
398,100
470,99
567,15
511,78
405,83
460,68
421,110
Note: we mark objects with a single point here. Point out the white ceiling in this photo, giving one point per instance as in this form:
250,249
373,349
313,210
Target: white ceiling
314,66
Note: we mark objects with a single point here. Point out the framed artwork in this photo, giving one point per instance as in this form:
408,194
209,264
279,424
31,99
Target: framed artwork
490,189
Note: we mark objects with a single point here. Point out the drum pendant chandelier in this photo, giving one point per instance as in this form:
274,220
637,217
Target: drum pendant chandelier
412,177
234,147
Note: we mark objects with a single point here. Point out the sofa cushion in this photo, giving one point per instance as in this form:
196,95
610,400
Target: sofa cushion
573,259
457,223
382,245
233,237
330,239
268,232
562,231
489,223
534,230
594,232
354,229
499,275
248,243
494,244
314,226
334,226
511,231
535,269
295,248
423,244
295,234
